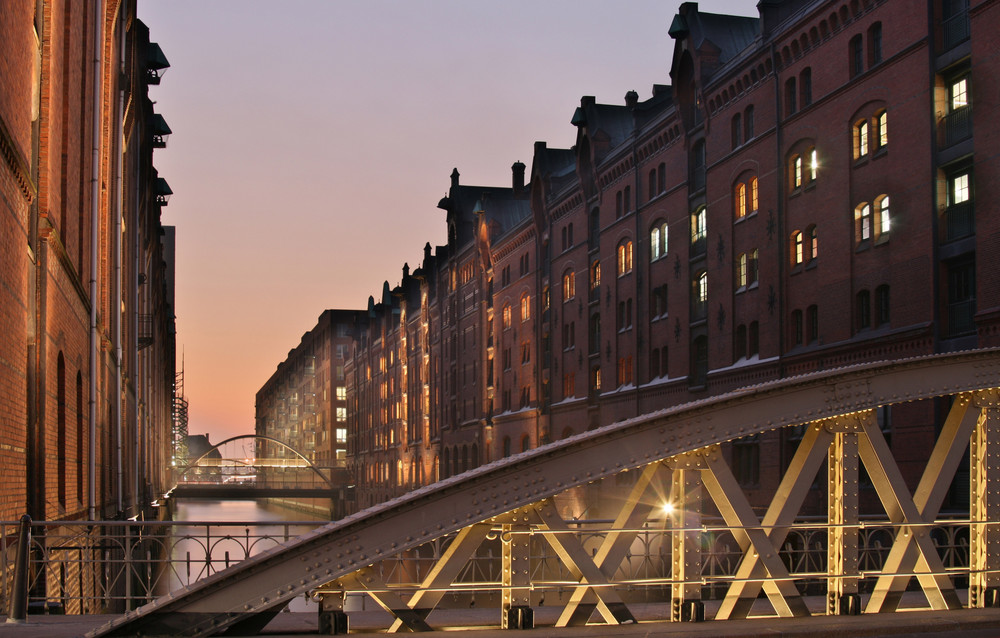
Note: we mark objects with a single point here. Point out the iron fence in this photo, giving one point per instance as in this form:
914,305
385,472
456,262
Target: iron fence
100,567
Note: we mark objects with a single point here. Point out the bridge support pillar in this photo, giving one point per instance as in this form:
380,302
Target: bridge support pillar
842,516
685,545
516,576
984,504
333,619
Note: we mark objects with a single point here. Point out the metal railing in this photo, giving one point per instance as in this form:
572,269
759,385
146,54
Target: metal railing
86,567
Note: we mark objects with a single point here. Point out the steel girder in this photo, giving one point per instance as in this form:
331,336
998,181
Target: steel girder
484,495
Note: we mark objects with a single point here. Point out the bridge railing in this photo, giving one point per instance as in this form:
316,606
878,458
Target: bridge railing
80,567
87,567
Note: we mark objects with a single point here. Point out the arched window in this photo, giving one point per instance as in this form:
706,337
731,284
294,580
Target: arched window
813,238
795,171
741,200
741,271
569,285
753,195
863,310
525,443
812,323
699,231
61,430
882,305
862,222
796,248
748,123
861,139
525,307
881,129
658,241
505,317
625,257
882,223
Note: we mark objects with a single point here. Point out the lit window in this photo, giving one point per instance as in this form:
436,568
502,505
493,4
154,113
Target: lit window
883,215
752,268
525,307
741,200
654,244
506,317
741,270
341,415
753,195
863,222
797,247
595,275
796,172
813,163
861,131
569,285
341,393
883,129
959,94
960,189
699,228
703,287
624,257
813,243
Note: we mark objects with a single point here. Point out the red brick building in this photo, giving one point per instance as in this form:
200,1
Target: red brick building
86,288
304,404
812,189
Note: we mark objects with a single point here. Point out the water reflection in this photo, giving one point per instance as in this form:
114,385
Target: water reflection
222,533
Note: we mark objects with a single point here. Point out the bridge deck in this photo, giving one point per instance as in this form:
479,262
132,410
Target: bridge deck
236,492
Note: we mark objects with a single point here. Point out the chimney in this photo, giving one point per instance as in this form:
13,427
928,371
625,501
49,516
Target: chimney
518,173
631,99
454,178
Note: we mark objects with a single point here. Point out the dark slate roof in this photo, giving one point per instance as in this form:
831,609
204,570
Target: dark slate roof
731,34
507,213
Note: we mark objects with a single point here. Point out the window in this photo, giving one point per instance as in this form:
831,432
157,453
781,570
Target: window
699,231
754,202
882,216
752,268
737,130
959,191
961,297
625,315
341,393
506,315
875,44
661,177
658,241
740,343
652,183
753,340
698,166
790,104
795,166
569,335
525,352
813,164
569,385
881,136
797,327
595,333
959,94
619,208
861,139
341,415
699,295
862,223
625,257
805,87
659,306
882,305
624,371
525,307
797,248
595,379
812,323
863,310
813,238
748,124
569,285
741,271
741,200
857,55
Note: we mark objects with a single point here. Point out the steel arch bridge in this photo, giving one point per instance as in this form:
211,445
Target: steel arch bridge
257,437
515,494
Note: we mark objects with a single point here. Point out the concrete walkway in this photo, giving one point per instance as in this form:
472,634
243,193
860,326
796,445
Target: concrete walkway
483,623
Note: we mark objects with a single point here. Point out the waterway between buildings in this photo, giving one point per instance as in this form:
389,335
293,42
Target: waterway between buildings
264,526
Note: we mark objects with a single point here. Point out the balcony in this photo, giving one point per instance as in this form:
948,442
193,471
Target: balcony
955,30
145,331
955,127
960,221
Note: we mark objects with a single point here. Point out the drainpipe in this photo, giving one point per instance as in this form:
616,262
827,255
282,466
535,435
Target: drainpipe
119,369
781,216
95,224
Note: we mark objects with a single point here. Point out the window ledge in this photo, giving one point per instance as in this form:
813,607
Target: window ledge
882,240
811,264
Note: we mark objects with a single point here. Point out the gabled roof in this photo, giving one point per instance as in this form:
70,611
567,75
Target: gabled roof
729,34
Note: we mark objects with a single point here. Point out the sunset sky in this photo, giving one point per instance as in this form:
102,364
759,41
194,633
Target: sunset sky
313,139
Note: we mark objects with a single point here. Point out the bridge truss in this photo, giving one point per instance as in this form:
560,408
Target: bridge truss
511,501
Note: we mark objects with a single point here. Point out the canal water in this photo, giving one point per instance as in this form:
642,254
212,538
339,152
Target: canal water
207,545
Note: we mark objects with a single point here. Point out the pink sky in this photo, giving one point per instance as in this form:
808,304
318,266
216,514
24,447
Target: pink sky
313,139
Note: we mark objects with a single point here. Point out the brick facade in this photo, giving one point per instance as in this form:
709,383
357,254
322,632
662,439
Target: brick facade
80,399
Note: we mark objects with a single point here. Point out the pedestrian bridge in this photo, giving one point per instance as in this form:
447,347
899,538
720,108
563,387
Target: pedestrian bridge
510,503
